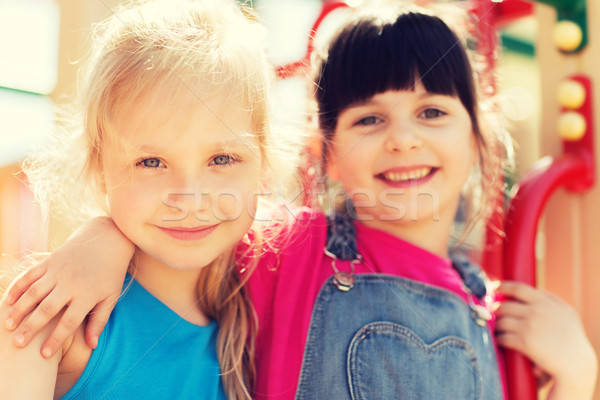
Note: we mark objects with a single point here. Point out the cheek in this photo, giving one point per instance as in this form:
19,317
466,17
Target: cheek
229,205
236,196
347,160
474,155
128,197
355,165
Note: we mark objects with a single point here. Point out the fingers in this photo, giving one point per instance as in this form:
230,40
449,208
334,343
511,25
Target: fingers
514,309
23,283
513,333
69,322
511,341
512,321
97,320
518,291
40,317
35,296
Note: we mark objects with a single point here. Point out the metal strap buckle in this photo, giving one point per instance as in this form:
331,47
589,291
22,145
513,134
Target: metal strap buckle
344,281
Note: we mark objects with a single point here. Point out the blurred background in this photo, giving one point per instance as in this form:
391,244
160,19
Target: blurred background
42,40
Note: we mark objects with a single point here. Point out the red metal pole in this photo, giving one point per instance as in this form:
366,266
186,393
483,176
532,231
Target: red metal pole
574,170
519,250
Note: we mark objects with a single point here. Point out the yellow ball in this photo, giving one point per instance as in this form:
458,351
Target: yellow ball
571,94
567,35
571,125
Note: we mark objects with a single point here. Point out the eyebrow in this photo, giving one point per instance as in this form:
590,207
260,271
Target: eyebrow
370,100
239,140
149,149
233,142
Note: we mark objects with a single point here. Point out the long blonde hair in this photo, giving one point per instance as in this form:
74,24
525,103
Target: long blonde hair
185,46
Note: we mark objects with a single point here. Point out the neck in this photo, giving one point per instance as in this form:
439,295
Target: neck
176,288
431,235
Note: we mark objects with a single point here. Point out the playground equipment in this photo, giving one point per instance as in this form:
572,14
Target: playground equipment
574,169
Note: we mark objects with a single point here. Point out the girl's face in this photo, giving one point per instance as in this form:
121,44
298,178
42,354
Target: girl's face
403,157
181,183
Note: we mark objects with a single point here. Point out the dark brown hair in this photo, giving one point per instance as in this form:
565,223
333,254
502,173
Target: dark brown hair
372,55
375,53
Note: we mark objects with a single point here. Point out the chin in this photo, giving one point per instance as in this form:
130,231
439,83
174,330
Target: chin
186,262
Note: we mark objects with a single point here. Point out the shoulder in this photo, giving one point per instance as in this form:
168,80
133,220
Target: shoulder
21,366
471,274
287,229
302,231
299,241
75,357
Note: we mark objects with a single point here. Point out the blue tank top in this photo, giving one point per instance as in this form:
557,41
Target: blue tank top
148,352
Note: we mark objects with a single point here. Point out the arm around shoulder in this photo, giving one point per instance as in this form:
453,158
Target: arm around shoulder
81,276
24,373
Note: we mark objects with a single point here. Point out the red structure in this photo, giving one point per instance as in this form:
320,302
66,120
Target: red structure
573,170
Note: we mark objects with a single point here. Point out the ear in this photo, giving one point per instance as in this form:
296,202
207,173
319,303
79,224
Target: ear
102,183
475,151
98,174
333,171
265,176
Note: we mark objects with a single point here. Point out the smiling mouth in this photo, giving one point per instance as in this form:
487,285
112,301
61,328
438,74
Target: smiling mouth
410,176
187,234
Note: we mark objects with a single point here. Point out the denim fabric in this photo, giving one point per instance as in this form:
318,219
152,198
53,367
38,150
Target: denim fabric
394,338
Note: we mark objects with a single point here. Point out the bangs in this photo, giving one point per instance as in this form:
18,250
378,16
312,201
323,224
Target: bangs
374,56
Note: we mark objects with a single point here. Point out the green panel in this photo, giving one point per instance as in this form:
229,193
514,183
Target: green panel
572,10
517,45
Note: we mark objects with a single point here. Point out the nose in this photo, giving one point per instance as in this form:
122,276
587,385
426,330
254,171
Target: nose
402,136
186,195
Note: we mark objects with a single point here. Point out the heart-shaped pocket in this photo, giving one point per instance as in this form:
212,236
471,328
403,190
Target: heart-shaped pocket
389,361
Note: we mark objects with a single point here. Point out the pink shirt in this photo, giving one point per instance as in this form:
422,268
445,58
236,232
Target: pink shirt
284,287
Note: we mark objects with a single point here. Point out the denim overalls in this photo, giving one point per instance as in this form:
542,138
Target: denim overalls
376,336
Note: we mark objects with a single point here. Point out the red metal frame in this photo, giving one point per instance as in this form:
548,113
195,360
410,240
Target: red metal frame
289,70
573,170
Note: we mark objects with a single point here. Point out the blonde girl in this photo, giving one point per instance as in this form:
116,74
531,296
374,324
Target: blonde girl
172,142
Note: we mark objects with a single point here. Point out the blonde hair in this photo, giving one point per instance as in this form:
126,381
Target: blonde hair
187,47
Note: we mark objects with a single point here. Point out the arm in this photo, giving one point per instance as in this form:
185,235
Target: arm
85,274
549,332
24,374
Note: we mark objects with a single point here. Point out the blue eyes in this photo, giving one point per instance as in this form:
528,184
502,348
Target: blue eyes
220,160
150,163
224,159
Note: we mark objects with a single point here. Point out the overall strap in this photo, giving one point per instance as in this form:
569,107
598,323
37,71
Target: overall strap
341,237
341,244
471,274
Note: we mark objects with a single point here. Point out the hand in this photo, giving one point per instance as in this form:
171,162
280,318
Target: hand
80,276
549,332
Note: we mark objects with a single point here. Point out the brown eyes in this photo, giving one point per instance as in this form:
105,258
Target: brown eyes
432,113
368,121
428,113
